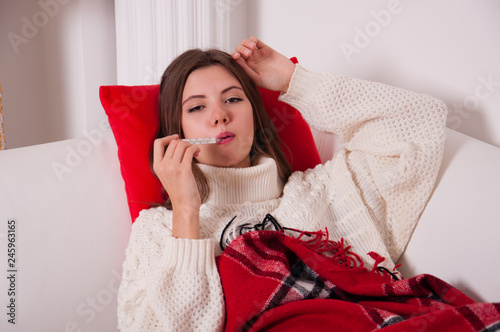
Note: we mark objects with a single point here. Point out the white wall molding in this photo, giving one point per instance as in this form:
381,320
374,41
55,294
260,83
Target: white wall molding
151,33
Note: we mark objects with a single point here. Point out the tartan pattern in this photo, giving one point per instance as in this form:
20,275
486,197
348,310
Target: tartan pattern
275,282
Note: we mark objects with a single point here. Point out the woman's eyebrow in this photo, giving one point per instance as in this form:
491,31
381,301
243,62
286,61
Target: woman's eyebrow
203,96
230,88
192,97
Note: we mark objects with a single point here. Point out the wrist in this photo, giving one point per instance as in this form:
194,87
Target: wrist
288,71
186,223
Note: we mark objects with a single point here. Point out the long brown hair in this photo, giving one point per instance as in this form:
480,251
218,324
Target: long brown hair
266,140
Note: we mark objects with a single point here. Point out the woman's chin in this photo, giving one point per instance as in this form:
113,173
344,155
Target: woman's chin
228,163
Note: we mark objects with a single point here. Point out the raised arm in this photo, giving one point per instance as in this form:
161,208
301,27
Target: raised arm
393,141
393,138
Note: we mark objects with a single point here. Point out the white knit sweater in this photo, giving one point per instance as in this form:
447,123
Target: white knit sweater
371,194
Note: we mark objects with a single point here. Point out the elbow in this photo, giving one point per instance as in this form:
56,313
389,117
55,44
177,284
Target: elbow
437,112
443,110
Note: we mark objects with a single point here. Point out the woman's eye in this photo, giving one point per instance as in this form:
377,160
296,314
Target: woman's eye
194,109
233,100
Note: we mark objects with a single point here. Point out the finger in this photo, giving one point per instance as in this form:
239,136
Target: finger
170,150
244,51
175,153
258,43
184,152
250,43
249,71
159,146
191,152
236,55
247,47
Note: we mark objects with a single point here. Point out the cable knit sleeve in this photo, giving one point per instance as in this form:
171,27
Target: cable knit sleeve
168,284
393,142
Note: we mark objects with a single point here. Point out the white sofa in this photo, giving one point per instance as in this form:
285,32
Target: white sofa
72,226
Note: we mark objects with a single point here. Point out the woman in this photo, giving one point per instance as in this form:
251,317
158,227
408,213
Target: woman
370,194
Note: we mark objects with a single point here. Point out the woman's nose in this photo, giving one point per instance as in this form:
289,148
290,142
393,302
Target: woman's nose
219,116
221,120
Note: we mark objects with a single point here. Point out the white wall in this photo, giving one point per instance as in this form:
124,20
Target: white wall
54,55
448,48
445,48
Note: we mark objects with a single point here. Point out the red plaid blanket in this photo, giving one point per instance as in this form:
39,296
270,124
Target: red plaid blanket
274,282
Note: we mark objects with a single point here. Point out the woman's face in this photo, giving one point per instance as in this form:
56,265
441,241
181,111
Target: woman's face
215,105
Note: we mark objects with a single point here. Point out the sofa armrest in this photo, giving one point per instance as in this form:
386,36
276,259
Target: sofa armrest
457,235
72,226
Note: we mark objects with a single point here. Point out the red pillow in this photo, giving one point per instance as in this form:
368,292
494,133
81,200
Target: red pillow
133,116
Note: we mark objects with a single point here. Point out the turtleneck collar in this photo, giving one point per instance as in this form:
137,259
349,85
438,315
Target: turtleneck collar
256,183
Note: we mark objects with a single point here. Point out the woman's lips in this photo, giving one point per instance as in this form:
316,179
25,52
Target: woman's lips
225,137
